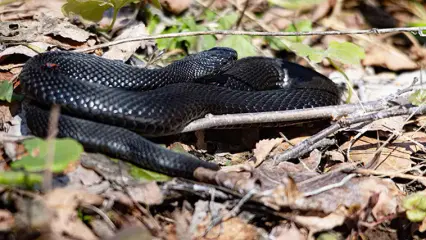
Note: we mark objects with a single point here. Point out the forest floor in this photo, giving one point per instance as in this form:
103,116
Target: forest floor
359,174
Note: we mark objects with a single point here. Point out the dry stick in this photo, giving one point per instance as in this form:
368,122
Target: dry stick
52,132
240,18
249,33
295,151
367,172
212,121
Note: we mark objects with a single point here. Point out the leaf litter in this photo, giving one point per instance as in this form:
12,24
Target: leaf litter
320,194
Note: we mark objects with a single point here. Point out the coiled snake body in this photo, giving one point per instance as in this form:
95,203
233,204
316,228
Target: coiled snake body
105,102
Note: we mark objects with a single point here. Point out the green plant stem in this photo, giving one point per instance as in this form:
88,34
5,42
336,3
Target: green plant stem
114,18
348,82
5,2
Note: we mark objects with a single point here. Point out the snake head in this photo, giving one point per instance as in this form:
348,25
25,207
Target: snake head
205,64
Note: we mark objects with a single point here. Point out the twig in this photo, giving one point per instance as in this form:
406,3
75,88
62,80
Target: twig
104,216
52,132
330,186
367,172
240,18
213,121
254,33
233,212
295,151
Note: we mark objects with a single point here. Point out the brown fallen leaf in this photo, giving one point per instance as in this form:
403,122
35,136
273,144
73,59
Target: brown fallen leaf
175,6
317,224
124,51
263,148
289,231
386,125
322,9
255,6
391,58
6,220
233,228
65,219
355,192
48,29
394,157
147,193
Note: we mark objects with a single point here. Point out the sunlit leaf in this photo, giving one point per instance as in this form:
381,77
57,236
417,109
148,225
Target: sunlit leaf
6,91
66,152
418,97
156,3
303,50
20,178
345,52
299,26
228,21
296,4
415,204
146,175
241,44
91,10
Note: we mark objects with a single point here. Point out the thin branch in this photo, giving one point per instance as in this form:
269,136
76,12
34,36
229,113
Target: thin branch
330,186
212,121
367,172
250,33
240,18
295,151
52,132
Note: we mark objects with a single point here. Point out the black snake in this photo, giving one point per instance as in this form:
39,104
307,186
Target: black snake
104,102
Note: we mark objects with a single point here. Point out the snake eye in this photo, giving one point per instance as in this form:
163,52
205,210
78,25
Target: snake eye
50,66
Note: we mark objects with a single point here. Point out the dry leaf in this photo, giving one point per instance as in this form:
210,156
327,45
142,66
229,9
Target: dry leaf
7,220
284,232
64,202
124,51
233,228
45,29
175,6
317,224
391,58
263,148
355,192
148,193
386,124
394,157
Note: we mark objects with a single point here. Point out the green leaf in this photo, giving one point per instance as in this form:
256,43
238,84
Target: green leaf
143,174
295,4
329,236
418,97
209,15
91,10
156,4
303,50
416,207
299,26
241,44
66,151
117,4
12,178
416,215
345,52
207,42
415,201
226,22
6,91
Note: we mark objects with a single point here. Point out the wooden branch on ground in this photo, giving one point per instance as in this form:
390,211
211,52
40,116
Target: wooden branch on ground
330,112
296,151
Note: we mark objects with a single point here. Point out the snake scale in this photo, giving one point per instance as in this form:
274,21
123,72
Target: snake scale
108,105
